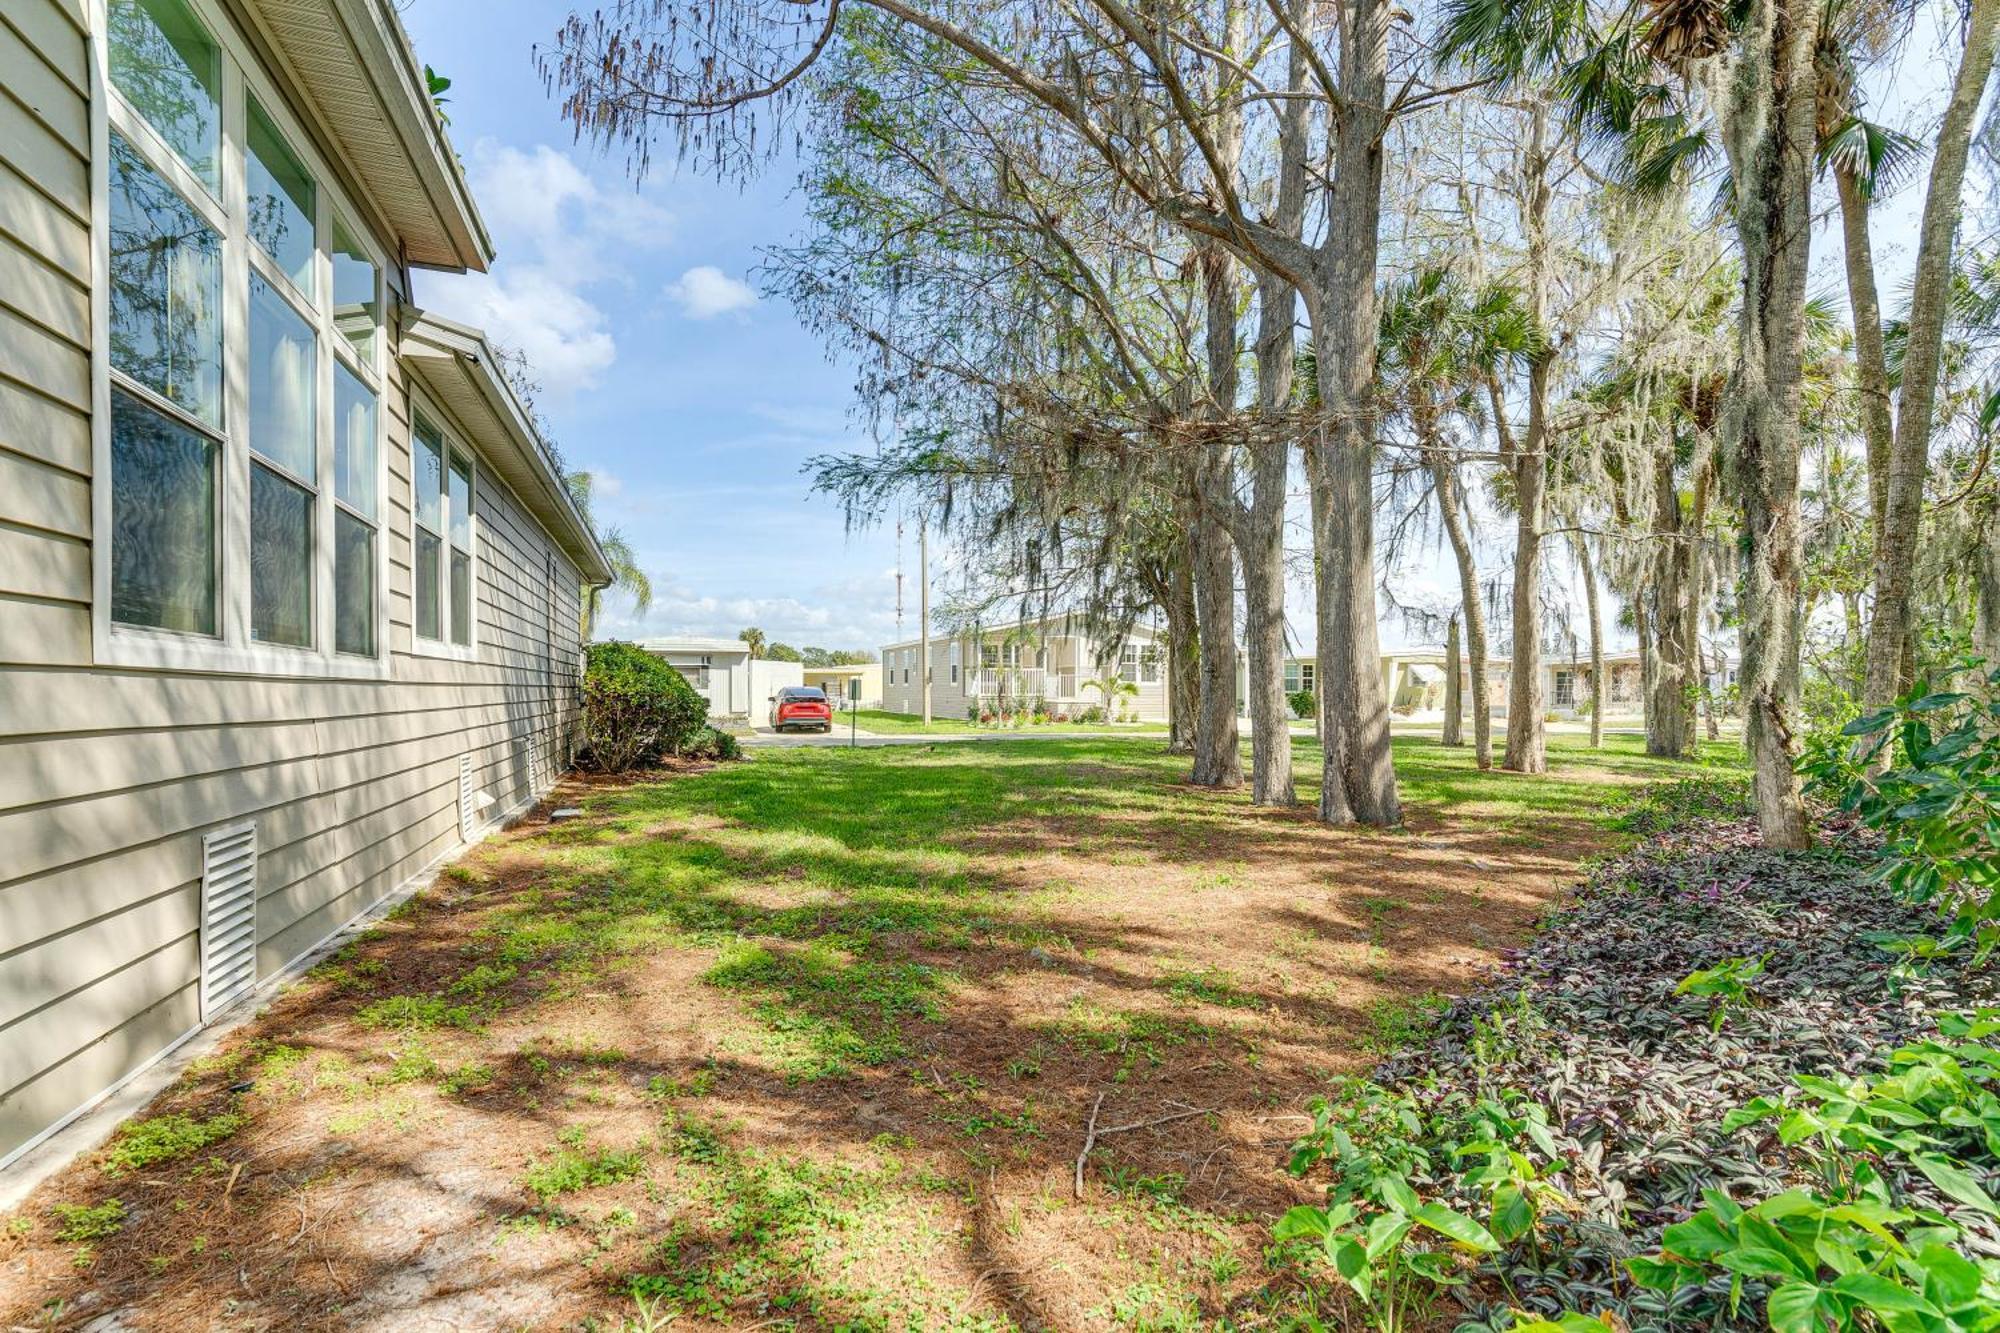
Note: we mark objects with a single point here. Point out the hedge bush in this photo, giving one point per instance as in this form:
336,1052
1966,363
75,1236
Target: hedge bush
636,708
1302,703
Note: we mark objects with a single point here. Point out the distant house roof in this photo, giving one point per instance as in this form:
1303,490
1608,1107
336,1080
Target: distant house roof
1059,623
369,98
689,643
458,365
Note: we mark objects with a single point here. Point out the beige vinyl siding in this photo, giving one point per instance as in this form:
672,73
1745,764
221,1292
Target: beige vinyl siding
109,777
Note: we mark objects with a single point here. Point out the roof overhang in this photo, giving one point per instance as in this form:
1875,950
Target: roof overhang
460,369
353,61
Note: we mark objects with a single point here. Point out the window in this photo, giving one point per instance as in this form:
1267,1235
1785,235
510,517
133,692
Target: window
1565,689
243,510
355,514
170,71
443,544
1128,663
1149,664
954,661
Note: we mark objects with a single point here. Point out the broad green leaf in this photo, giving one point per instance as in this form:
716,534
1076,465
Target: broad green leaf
1956,1182
1397,1194
1878,1293
1791,1308
1304,1222
1760,1261
1951,1280
1513,1215
1662,1274
1458,1227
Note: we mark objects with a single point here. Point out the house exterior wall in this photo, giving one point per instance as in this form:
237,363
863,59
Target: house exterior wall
766,678
952,699
110,776
834,682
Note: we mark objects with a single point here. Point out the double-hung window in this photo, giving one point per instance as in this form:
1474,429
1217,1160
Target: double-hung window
443,542
240,368
1128,663
954,661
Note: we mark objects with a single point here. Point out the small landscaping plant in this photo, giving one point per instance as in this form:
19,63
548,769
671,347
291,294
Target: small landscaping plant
145,1143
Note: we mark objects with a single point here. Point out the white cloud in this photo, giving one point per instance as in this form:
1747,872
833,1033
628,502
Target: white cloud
555,230
705,291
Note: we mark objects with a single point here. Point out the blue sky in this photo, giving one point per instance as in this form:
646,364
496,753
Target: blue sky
695,401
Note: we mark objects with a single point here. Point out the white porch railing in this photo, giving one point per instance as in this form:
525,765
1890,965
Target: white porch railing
1025,683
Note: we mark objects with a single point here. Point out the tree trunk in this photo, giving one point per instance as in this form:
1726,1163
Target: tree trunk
1527,745
1444,481
1218,761
1986,569
1358,769
1871,361
1600,693
1454,700
1768,130
1259,526
1183,657
1670,705
1890,644
1263,561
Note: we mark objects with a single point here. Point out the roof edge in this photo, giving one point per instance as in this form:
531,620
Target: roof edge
415,121
470,348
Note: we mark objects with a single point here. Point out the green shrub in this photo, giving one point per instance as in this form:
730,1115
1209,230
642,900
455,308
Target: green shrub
1303,703
709,743
636,707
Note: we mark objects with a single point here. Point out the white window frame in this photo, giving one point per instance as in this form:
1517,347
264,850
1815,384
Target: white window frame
455,443
231,648
1128,663
1149,664
954,661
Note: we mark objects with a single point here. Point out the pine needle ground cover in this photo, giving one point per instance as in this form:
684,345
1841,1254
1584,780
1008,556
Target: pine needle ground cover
819,1040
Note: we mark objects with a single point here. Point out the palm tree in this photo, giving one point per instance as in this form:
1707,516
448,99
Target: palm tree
1112,686
1440,343
755,638
626,575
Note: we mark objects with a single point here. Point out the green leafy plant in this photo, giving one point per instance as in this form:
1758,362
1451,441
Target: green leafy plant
1925,772
636,707
145,1143
1368,1242
1938,1108
1303,703
1830,1265
81,1222
1726,986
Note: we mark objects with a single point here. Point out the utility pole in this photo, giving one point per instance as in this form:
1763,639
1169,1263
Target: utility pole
924,615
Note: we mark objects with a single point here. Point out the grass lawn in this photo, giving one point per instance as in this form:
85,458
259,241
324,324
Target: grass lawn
884,723
814,1041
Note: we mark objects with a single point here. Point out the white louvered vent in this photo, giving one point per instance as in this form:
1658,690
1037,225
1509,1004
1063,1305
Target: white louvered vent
228,916
468,812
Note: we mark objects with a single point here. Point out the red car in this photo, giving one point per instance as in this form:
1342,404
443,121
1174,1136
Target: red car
801,706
